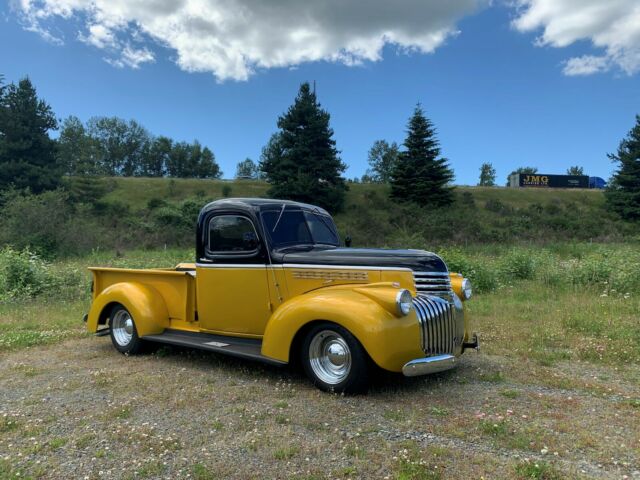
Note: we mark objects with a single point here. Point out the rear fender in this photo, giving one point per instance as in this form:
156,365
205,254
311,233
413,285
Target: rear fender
389,340
143,302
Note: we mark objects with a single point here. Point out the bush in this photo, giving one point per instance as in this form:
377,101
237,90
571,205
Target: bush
518,263
22,274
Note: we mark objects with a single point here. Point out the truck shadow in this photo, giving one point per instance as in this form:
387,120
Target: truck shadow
382,382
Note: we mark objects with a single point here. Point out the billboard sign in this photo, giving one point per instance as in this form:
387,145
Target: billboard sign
542,180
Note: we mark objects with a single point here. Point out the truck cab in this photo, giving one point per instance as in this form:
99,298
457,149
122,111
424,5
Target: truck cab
270,282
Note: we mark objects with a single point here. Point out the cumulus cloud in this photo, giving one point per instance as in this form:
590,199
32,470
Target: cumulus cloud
610,25
234,38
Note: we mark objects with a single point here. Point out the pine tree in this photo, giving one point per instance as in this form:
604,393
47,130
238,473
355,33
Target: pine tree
420,174
301,161
27,155
487,175
623,191
576,170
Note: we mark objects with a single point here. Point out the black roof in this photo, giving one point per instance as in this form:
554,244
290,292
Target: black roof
256,204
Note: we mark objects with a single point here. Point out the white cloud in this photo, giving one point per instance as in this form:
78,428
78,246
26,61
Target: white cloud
233,38
610,25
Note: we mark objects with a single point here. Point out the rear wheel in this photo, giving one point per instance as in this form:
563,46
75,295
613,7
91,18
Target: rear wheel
334,360
124,334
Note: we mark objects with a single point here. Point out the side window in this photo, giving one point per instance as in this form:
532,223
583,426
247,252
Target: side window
232,234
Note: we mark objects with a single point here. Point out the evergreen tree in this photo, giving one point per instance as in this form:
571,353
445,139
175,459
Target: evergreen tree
247,169
382,159
27,155
420,174
575,170
487,175
301,161
623,191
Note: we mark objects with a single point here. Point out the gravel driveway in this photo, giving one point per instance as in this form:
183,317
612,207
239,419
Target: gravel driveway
81,410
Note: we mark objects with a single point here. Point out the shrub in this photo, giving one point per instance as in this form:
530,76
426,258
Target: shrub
226,190
518,263
22,274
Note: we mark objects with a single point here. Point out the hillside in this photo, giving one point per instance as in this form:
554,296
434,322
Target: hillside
480,214
136,192
134,213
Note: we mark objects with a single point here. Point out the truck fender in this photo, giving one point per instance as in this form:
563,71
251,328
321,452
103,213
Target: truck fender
144,303
386,337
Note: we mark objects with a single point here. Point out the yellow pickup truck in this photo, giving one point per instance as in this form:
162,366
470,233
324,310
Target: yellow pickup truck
272,283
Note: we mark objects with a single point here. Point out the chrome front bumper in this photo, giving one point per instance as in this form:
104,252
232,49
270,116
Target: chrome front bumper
427,365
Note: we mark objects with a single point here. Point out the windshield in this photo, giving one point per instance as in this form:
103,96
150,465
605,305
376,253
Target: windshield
298,227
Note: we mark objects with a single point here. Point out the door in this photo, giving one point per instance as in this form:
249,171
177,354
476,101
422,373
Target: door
232,286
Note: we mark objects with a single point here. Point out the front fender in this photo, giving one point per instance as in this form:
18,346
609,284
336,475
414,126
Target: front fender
143,302
390,341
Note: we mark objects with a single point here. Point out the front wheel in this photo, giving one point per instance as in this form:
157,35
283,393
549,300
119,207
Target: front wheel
334,360
124,334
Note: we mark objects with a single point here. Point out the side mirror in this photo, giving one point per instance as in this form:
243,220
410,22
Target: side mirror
347,241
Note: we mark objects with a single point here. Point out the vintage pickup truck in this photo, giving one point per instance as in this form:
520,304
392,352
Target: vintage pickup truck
271,283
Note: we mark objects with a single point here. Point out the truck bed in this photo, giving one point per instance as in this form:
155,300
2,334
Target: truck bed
176,285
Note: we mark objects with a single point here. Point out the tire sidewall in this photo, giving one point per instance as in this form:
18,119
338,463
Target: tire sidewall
357,379
135,345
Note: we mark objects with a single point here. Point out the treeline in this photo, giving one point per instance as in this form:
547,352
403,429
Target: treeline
104,146
111,146
300,161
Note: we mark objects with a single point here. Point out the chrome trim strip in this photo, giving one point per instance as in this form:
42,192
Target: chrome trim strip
231,265
345,267
424,366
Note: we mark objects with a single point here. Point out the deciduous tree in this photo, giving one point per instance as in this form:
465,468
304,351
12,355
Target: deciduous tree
382,159
487,175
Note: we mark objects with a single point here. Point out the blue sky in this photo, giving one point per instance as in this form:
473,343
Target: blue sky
497,92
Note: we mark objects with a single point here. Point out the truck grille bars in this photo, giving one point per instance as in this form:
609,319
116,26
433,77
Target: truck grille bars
433,283
437,313
437,319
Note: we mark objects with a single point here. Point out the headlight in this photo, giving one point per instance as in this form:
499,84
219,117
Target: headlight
467,290
404,302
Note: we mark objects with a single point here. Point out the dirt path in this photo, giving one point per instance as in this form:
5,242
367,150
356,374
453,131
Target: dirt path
81,410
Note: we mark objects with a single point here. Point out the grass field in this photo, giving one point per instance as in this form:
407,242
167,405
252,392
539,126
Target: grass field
554,392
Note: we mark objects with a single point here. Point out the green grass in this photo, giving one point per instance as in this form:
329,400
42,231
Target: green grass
578,302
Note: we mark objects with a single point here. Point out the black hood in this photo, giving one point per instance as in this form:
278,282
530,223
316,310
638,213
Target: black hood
417,260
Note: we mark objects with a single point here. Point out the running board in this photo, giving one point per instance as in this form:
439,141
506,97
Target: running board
247,348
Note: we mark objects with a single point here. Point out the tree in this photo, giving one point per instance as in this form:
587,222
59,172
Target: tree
121,145
207,167
156,157
247,169
575,170
382,159
523,170
420,174
27,155
623,191
487,175
77,151
301,161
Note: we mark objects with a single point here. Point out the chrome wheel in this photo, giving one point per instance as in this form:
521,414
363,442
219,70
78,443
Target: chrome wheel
330,357
122,328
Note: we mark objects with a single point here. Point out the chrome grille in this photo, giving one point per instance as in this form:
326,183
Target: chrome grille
433,283
441,332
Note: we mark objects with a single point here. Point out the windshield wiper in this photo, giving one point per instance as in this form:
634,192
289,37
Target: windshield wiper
279,217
